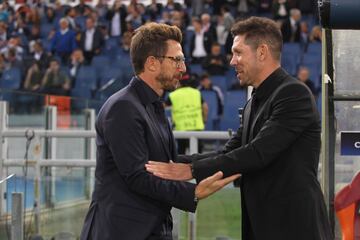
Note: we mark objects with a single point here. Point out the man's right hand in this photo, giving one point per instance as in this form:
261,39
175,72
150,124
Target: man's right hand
213,184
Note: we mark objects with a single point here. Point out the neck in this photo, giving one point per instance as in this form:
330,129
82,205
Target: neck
151,82
265,74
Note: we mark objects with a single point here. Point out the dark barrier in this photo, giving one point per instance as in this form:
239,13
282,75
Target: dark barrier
340,14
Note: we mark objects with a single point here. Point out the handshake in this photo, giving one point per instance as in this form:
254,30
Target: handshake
183,172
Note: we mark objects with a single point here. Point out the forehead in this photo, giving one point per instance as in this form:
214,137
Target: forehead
239,43
174,48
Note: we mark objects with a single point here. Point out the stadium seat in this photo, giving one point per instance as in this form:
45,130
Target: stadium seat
220,81
233,101
11,78
212,118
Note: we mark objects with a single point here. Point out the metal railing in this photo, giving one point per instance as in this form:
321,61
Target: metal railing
50,136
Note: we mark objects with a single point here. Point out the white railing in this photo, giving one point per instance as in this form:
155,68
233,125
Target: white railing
37,162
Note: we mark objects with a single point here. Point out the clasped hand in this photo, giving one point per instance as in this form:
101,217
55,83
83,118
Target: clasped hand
182,172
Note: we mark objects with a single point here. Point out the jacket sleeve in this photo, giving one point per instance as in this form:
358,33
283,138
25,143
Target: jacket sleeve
292,111
124,132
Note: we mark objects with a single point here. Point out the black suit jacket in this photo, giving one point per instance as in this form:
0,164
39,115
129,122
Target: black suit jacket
281,197
287,31
98,40
128,202
208,41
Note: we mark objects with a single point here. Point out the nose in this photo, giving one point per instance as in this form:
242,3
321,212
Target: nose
182,66
233,61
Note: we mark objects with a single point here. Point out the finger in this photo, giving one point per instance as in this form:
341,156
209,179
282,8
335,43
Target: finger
157,168
156,163
165,176
215,177
228,180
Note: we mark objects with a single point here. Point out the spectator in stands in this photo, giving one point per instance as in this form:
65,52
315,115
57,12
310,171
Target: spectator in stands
40,56
134,16
303,75
33,78
200,45
81,8
14,45
101,8
116,17
91,41
263,6
243,8
126,42
276,149
290,28
207,85
315,35
2,65
55,81
129,203
33,37
77,61
19,27
50,14
280,9
63,43
177,20
215,63
304,34
188,110
207,27
70,15
4,35
4,15
12,60
228,19
154,10
171,5
34,17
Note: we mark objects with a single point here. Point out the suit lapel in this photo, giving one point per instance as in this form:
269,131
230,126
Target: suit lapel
247,113
155,125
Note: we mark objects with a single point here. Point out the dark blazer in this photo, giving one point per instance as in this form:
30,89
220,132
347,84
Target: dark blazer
123,13
287,31
208,41
98,40
281,197
128,202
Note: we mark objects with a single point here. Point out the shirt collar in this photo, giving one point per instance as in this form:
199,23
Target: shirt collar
146,93
270,83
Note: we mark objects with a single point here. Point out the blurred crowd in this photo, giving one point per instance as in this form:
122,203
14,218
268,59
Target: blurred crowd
60,49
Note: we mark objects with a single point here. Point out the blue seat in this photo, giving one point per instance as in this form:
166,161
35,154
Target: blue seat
233,101
212,118
292,48
196,68
86,78
11,78
109,73
220,81
289,63
99,63
313,63
45,29
314,48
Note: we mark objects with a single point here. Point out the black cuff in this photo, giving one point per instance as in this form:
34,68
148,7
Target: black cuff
192,170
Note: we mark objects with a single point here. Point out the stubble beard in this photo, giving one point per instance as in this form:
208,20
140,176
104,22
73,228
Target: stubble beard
167,82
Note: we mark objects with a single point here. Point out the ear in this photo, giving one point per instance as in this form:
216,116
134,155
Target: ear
151,64
262,52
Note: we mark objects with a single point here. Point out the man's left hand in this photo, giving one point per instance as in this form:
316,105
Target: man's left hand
170,171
